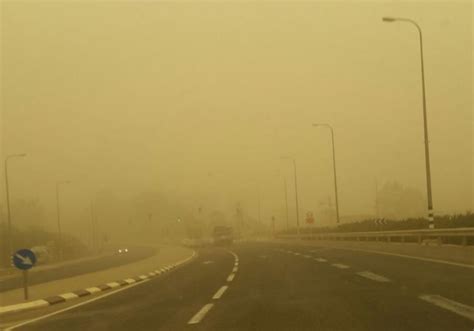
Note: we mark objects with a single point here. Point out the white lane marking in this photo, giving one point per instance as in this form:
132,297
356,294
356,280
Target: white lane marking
340,266
453,306
231,277
372,276
24,306
236,263
152,273
320,259
93,290
307,256
143,276
68,296
208,262
72,307
296,254
470,266
234,255
220,292
200,314
235,269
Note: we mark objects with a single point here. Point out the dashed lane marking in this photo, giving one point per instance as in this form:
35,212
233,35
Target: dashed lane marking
372,276
320,259
231,277
200,314
453,306
340,266
220,292
235,269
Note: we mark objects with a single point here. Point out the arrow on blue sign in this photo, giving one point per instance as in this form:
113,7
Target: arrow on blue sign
24,259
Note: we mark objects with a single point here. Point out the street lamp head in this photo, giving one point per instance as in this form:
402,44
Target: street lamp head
389,19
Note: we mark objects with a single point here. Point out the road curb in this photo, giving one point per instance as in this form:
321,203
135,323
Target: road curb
52,300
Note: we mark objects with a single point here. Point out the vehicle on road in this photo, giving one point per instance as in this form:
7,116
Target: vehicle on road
222,235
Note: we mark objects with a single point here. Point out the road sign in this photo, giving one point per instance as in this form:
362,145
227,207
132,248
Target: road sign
309,218
24,259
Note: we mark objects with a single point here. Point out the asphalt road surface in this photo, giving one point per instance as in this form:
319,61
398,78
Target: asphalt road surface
261,286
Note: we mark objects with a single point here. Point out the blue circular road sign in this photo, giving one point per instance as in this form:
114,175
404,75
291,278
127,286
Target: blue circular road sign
24,259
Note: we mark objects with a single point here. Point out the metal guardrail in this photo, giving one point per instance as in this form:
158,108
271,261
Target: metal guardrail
420,236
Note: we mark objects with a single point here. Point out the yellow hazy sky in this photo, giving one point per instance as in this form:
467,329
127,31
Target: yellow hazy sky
200,99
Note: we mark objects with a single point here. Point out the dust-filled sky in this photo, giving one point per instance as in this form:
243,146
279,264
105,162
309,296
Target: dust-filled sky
201,99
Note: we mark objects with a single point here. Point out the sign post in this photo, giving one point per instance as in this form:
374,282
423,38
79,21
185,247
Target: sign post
273,226
310,221
24,259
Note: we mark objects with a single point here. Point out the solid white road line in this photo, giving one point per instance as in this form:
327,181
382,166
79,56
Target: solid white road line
372,276
231,277
71,307
452,306
220,292
470,266
24,306
320,259
340,266
200,314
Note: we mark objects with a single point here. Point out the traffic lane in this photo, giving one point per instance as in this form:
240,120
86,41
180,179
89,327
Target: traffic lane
279,291
160,304
412,276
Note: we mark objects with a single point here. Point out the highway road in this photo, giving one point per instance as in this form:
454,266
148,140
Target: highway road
265,286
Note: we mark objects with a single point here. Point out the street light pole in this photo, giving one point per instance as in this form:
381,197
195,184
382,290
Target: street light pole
286,205
333,167
296,194
9,220
60,244
425,117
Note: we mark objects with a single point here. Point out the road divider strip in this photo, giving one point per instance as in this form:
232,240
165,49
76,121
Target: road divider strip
49,301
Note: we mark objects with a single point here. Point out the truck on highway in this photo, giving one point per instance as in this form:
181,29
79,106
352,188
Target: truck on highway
222,235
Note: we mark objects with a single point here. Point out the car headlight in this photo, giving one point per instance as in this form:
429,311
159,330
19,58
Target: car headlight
120,251
126,250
